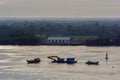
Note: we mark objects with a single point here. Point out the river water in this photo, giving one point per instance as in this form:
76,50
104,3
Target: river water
13,64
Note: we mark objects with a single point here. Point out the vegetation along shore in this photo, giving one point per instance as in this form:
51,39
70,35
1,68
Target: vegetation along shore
90,32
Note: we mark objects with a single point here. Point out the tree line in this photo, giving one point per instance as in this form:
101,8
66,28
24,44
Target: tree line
24,32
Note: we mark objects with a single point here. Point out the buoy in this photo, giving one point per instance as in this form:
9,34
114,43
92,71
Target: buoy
106,56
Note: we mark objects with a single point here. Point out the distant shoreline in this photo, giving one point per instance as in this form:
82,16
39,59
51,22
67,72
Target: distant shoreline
47,44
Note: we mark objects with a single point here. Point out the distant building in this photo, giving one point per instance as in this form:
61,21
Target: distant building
58,40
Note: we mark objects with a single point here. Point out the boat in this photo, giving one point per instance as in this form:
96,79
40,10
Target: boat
92,63
56,59
35,60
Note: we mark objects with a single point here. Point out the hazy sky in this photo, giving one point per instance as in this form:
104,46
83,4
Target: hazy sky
60,8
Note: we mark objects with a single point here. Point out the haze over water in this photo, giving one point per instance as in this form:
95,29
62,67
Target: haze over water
13,64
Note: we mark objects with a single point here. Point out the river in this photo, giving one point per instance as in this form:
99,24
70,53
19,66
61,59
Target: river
13,64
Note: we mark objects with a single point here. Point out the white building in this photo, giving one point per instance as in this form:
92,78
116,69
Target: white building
58,40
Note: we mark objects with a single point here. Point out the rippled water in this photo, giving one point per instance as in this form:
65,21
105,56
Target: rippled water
13,64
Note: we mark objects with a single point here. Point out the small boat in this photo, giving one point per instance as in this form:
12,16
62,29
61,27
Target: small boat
92,63
56,59
36,60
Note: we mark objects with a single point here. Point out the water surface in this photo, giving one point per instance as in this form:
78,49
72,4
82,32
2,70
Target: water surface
13,64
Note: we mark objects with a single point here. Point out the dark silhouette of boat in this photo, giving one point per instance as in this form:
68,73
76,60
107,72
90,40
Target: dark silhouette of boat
57,59
35,60
92,63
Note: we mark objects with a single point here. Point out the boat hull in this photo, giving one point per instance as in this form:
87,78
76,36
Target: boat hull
64,62
36,60
92,63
